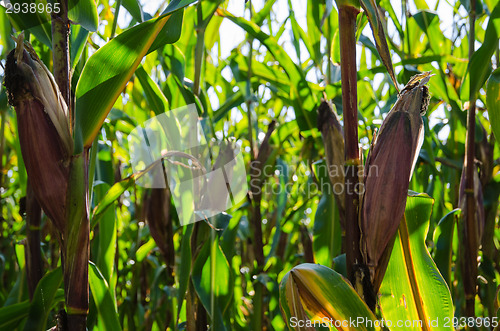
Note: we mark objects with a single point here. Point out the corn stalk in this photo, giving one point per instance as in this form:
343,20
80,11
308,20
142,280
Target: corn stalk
347,23
76,245
58,177
470,230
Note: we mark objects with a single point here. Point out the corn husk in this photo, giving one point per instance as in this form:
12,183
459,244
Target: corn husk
333,140
43,127
389,167
314,293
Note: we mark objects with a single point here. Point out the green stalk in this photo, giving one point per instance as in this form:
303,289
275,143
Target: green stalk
115,18
347,24
199,49
75,250
256,217
405,13
60,53
470,228
76,246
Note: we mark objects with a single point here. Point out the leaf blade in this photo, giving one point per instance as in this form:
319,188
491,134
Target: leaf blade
402,296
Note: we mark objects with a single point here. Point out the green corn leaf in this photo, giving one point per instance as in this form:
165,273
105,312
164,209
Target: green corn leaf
109,69
210,267
145,249
493,102
327,234
107,230
316,293
170,32
479,65
84,13
443,239
371,10
11,316
134,8
103,299
233,101
37,23
184,266
105,75
43,300
304,98
154,96
78,39
413,289
429,23
5,39
109,199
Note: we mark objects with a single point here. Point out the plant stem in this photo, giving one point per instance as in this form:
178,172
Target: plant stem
60,53
76,245
256,184
347,23
115,18
75,248
405,13
199,50
470,228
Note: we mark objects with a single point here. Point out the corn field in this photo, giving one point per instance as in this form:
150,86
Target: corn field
249,165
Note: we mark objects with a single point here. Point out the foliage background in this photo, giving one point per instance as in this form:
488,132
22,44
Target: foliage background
286,62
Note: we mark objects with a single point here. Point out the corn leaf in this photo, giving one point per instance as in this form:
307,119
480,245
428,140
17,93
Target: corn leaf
84,13
315,292
43,300
300,92
107,230
145,249
493,102
11,316
443,239
38,23
134,8
78,40
371,10
109,199
154,96
109,69
210,267
103,299
327,233
479,65
413,289
185,265
233,101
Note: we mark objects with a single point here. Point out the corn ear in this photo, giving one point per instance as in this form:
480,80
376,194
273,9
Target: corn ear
388,170
315,293
156,211
44,135
333,139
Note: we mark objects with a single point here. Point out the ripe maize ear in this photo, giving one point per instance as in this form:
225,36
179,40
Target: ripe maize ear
43,126
389,167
